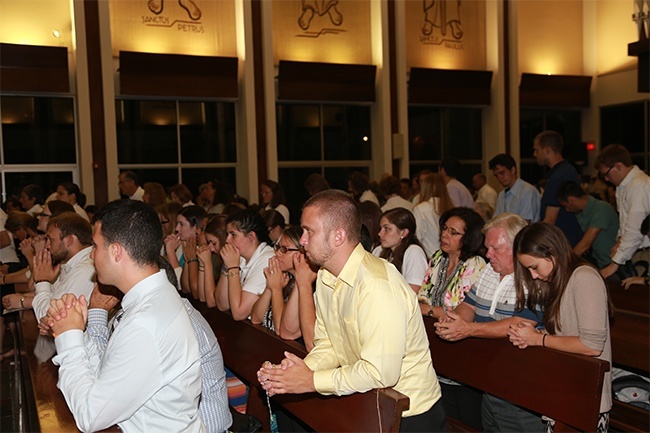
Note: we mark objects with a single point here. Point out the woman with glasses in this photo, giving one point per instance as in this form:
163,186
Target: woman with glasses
571,297
245,255
400,246
267,311
454,268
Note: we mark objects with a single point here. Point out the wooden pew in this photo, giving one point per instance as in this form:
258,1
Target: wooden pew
630,332
560,385
246,346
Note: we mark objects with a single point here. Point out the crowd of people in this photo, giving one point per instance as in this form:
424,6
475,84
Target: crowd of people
352,282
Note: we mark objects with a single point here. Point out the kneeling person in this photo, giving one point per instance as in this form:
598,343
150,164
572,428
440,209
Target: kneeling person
369,330
149,378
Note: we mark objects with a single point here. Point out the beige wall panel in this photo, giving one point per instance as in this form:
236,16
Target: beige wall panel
330,31
550,37
445,34
614,29
193,27
33,22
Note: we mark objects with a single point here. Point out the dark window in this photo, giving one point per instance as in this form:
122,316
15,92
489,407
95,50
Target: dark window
38,130
627,125
152,135
439,132
332,140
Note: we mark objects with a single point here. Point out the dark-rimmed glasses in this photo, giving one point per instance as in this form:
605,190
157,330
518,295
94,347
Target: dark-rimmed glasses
452,231
283,249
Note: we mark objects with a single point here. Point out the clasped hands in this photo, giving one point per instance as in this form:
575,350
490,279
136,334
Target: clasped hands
524,334
64,314
291,376
44,270
452,327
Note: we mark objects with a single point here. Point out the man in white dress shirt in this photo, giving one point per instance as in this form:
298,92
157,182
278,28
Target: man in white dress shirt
65,265
149,378
129,185
615,165
459,194
486,196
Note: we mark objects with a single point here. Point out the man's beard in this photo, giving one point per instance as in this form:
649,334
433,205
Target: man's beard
327,254
59,256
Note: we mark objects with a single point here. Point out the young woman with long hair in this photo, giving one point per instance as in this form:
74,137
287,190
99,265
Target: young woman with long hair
571,298
400,246
434,201
245,255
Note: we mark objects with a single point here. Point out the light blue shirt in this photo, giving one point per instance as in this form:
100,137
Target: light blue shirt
522,199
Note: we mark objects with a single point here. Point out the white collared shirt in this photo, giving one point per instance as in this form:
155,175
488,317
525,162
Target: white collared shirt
149,378
252,272
633,202
77,277
137,195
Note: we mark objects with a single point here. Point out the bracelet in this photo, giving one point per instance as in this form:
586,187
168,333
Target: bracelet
192,260
3,279
42,281
230,274
234,267
22,302
544,340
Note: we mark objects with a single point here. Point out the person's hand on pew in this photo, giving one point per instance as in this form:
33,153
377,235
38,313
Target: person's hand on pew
626,283
292,376
67,314
523,335
452,327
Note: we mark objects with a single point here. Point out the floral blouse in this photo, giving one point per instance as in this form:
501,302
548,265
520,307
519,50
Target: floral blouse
439,290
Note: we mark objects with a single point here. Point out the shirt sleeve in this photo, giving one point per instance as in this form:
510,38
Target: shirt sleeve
97,328
638,208
100,399
590,294
414,265
530,203
41,302
384,314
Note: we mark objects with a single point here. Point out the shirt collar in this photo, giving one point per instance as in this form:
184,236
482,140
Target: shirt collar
630,176
77,259
258,251
349,272
138,291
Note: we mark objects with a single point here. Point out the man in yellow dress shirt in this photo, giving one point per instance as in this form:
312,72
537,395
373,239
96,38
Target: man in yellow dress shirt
369,330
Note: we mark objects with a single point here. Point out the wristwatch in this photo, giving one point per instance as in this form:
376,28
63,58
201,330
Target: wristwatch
430,313
22,302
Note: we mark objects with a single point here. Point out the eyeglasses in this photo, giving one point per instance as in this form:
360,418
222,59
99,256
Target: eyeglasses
604,175
283,249
452,231
43,214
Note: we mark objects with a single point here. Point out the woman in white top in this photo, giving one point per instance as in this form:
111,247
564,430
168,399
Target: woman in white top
400,246
245,255
434,201
70,193
273,197
31,199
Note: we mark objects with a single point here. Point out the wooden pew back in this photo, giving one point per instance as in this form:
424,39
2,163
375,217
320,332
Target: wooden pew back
630,331
246,346
562,386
